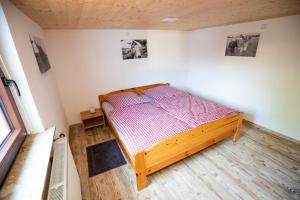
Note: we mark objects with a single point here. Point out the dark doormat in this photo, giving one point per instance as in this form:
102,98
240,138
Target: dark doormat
103,157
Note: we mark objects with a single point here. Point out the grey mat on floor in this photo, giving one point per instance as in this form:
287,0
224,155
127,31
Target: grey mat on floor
103,157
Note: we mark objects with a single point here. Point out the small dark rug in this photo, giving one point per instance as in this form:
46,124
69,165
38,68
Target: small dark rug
103,157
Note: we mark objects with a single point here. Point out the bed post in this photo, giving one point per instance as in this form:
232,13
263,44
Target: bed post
101,99
140,170
236,135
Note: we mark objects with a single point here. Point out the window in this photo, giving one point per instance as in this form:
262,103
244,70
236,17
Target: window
5,126
12,131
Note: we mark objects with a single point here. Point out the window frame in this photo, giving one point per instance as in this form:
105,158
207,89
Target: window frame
7,118
13,141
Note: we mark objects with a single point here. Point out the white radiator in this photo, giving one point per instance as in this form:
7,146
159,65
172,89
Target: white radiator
64,179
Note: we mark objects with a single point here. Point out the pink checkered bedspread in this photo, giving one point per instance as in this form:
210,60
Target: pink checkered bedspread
144,125
193,110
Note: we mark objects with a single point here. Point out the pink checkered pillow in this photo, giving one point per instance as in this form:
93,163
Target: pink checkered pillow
126,99
161,92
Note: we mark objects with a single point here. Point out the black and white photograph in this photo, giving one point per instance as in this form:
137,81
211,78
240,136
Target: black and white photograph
242,45
133,49
40,53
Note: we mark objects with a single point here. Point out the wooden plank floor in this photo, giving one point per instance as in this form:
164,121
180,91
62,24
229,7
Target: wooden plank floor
258,166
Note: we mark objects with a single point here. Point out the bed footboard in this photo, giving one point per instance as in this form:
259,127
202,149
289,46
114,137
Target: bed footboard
185,144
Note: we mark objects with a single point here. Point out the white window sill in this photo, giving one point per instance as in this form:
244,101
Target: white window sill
27,178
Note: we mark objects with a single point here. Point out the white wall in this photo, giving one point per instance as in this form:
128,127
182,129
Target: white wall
39,92
89,62
266,87
12,67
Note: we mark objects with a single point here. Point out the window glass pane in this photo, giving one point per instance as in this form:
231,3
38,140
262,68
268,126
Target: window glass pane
4,127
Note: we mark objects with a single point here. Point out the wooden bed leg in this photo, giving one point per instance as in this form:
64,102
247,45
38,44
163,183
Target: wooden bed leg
140,170
236,135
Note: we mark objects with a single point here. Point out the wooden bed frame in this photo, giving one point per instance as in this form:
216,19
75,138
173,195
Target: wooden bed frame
179,146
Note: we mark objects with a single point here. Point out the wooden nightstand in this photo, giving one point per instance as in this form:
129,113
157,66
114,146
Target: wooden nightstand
90,120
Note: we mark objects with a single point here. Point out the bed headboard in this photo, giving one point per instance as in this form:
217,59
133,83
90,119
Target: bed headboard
137,90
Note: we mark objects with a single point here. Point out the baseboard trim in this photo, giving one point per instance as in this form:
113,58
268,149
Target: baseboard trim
271,132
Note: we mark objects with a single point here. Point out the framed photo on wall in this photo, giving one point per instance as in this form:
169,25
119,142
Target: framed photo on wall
40,53
134,49
242,45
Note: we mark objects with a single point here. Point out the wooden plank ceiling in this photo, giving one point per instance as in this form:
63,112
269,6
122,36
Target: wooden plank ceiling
147,14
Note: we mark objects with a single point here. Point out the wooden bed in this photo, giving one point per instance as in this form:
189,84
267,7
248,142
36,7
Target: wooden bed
179,146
